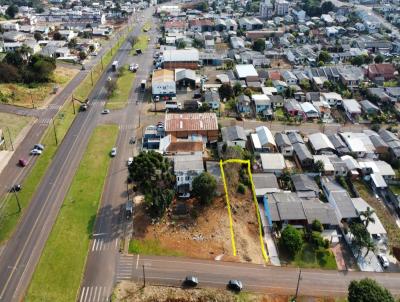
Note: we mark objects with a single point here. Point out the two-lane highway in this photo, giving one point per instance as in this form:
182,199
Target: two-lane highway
110,225
22,252
171,271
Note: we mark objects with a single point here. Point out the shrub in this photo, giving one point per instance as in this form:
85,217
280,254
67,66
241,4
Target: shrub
241,188
317,226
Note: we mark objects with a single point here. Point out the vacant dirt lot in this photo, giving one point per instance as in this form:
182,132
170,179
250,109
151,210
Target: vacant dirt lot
132,292
202,233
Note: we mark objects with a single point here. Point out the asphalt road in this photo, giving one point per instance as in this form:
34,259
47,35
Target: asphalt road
171,271
22,252
111,225
12,173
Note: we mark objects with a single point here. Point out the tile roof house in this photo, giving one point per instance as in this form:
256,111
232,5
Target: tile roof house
305,186
186,168
234,136
272,163
320,143
183,125
283,143
288,208
381,72
339,198
265,183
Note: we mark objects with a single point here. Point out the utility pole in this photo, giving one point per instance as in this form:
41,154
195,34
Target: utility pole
55,133
33,104
16,197
297,287
144,277
9,135
102,66
73,104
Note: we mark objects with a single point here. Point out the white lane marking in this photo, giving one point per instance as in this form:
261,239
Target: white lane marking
137,261
94,244
100,245
116,243
82,294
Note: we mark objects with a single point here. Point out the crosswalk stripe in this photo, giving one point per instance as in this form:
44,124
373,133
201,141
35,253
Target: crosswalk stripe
87,292
94,293
99,296
100,245
82,294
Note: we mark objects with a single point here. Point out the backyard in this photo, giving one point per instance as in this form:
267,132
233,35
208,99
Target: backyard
68,242
382,212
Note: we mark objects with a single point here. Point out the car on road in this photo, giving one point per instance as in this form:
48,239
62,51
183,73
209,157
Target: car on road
38,147
35,152
133,67
113,152
105,111
129,161
83,107
16,188
128,209
191,281
383,260
235,285
22,162
94,53
132,140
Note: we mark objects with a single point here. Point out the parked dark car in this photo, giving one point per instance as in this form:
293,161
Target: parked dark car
235,285
191,281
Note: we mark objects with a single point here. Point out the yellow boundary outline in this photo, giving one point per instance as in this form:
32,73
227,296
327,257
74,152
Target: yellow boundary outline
240,161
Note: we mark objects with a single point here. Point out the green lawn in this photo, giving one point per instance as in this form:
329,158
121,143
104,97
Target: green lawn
119,99
395,189
150,247
59,272
14,123
142,43
307,258
9,210
84,89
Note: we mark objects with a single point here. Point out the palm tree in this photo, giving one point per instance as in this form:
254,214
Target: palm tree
369,245
367,216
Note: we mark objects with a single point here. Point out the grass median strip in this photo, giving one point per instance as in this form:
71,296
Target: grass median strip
59,272
119,98
141,43
9,214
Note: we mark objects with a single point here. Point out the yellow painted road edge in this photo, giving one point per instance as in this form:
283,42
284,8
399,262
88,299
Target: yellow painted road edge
221,166
240,161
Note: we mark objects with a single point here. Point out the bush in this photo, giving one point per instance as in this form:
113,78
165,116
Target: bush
316,240
291,240
241,188
317,226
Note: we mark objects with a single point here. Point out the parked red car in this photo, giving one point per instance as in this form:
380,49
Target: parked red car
22,162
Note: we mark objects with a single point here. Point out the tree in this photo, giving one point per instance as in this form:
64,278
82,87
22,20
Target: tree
368,290
14,59
327,7
305,84
111,86
379,59
132,40
367,216
57,36
358,60
11,11
237,88
38,36
361,238
291,240
204,187
181,44
72,43
324,56
317,226
268,83
225,91
82,55
9,73
92,48
259,45
319,166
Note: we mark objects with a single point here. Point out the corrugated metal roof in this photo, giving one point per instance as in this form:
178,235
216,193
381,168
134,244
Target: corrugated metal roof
190,122
181,55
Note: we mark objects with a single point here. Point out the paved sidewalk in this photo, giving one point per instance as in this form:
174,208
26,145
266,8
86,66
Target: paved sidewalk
268,240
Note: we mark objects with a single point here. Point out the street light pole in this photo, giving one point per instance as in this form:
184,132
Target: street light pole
297,287
33,104
54,129
144,278
9,135
16,197
73,104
